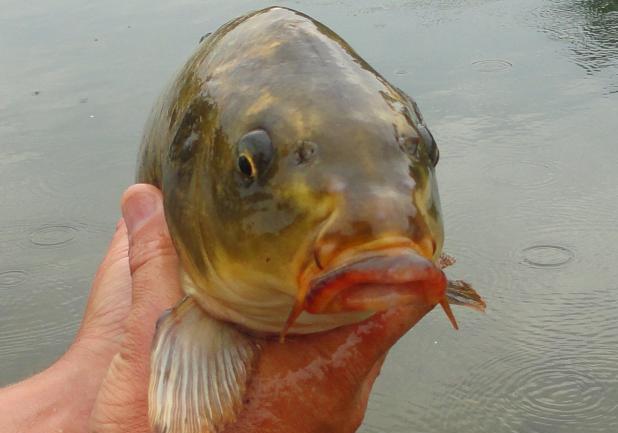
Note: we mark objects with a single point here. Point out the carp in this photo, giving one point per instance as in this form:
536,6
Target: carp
300,192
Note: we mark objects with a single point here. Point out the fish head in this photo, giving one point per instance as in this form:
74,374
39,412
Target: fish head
300,179
370,184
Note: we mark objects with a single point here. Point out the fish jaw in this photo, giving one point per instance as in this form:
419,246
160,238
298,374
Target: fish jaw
373,281
376,283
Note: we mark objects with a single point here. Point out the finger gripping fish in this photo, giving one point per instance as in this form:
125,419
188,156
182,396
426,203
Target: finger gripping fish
300,192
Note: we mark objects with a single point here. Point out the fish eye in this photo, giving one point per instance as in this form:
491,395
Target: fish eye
255,154
435,156
410,146
246,166
430,143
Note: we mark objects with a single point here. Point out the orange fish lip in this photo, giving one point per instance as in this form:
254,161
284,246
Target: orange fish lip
372,279
376,281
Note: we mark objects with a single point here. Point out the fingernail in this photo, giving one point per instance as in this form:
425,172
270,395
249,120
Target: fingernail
137,210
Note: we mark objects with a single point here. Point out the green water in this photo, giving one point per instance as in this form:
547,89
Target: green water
522,97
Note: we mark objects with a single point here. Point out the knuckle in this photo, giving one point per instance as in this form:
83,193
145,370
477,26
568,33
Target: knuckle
141,252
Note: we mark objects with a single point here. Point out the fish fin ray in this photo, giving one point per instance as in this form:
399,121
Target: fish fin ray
459,292
445,261
199,370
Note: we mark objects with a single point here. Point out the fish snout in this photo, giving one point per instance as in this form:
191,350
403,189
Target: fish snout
363,218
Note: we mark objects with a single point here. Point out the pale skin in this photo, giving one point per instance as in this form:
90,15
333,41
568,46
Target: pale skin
317,383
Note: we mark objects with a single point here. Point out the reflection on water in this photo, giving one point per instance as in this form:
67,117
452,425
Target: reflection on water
519,97
589,26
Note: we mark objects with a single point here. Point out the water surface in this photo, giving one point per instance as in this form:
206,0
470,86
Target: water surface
523,100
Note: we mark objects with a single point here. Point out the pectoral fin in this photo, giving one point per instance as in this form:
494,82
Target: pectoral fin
199,371
459,292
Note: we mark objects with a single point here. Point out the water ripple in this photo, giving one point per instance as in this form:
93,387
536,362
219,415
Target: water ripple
12,278
530,391
546,256
15,341
529,174
492,65
589,27
53,235
398,414
27,235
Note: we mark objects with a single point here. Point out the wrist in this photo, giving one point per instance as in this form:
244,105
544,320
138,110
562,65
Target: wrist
59,398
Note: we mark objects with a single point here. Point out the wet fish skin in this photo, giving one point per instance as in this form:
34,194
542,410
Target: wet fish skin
353,161
282,155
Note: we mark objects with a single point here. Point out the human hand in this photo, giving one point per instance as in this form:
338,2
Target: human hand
117,328
152,268
317,383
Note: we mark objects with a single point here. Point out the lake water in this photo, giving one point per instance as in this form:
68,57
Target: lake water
522,97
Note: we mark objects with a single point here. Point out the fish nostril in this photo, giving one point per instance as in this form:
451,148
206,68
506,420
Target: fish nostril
305,152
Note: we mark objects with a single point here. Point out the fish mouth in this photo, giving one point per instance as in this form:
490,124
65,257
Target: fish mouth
374,281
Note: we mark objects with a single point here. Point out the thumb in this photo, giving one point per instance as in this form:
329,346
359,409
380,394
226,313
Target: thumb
122,400
153,263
